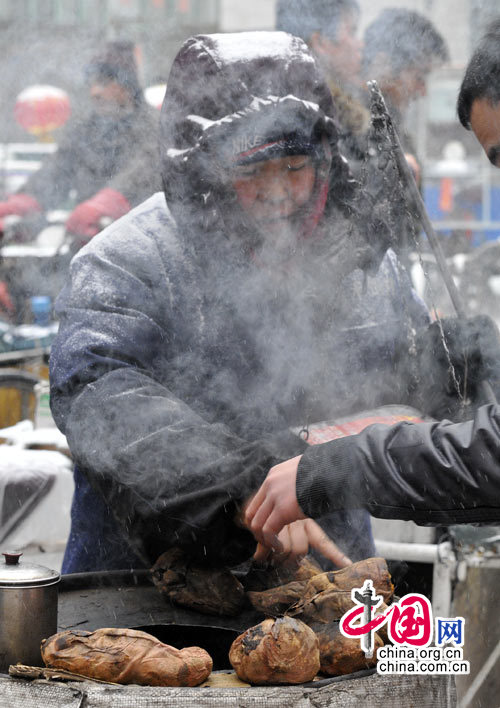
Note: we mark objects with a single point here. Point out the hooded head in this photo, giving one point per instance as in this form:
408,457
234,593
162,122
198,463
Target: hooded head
249,105
114,69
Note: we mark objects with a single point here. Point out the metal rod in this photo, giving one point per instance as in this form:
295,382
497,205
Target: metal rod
416,552
418,203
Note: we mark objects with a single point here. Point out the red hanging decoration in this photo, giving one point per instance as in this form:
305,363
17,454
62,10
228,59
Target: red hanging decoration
42,109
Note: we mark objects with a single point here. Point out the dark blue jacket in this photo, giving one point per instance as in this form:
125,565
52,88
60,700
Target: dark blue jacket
431,473
182,361
176,391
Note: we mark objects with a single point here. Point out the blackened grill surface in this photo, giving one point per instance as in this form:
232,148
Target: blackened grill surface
128,599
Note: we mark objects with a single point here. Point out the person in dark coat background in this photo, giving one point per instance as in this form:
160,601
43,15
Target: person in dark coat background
432,473
105,161
330,28
200,332
399,50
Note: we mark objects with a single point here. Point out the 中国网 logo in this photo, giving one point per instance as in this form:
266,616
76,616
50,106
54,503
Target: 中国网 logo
421,644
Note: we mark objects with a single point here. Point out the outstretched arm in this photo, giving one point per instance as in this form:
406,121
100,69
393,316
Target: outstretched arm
431,473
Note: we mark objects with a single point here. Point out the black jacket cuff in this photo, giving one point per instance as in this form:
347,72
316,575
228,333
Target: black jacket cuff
327,479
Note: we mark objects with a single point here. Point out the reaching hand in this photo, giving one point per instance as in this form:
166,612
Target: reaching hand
275,503
276,520
294,542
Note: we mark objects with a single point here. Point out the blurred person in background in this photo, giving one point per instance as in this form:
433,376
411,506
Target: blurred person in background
330,28
400,49
203,330
437,473
105,159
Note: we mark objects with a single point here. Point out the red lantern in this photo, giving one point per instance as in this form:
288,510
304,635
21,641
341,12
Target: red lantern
41,109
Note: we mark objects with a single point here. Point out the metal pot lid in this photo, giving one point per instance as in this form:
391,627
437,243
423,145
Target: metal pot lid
15,573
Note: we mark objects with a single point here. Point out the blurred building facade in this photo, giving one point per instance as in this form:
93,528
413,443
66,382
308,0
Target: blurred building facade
50,42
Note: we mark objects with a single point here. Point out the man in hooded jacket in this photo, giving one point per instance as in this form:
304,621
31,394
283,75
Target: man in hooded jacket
203,329
105,158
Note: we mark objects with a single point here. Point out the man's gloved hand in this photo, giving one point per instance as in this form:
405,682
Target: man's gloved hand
85,219
473,348
19,204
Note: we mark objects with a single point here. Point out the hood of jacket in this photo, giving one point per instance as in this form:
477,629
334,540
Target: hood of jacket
228,93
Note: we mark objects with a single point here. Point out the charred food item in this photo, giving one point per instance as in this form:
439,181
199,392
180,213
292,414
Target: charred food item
211,591
281,651
324,597
328,596
126,656
264,576
341,655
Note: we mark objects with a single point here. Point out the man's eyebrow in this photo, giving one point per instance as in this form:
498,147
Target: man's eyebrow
494,154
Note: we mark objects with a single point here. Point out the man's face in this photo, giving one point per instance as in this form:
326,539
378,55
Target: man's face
413,81
340,55
407,85
485,122
272,192
109,97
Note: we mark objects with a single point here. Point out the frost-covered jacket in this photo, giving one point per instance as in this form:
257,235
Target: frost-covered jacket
431,473
96,152
182,363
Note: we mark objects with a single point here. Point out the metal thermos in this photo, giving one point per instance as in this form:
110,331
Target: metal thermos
28,610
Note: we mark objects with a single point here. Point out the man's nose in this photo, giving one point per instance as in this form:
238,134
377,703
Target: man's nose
275,189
